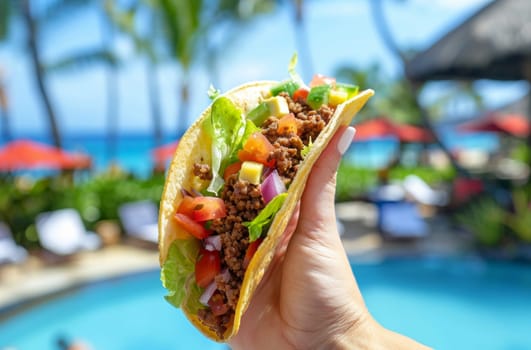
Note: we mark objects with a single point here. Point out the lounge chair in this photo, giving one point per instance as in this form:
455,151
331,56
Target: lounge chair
422,193
400,220
140,220
10,252
62,232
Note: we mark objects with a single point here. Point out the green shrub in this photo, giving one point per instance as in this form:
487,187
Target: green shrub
96,198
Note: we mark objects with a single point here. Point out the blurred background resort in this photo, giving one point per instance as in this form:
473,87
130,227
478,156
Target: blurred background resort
94,96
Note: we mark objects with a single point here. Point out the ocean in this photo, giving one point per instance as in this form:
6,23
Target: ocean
134,150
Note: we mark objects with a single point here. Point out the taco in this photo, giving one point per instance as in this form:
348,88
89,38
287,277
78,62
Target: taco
232,187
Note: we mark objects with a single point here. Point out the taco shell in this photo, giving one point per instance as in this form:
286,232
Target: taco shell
195,146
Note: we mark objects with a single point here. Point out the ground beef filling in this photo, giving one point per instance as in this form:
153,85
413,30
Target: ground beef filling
244,201
202,171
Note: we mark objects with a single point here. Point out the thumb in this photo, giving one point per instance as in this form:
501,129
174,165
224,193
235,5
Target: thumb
319,194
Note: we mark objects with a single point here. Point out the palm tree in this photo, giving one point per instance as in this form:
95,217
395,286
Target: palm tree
111,83
301,38
4,111
389,41
38,69
124,20
5,19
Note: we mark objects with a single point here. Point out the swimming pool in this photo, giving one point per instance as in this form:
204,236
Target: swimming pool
458,303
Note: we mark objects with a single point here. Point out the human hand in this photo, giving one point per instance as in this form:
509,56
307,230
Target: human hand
309,299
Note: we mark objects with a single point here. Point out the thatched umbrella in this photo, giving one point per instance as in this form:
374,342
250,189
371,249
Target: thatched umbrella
494,43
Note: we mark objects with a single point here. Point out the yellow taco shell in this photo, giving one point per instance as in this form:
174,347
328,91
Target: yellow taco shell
195,147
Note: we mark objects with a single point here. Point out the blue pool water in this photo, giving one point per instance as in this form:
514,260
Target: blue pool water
460,303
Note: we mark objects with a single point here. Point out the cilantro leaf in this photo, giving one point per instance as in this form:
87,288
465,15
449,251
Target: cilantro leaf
265,217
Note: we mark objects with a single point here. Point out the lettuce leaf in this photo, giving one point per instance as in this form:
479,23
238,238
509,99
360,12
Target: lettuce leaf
306,149
293,72
225,127
191,299
264,219
178,269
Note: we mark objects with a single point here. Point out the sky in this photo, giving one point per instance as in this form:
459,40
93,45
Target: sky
341,32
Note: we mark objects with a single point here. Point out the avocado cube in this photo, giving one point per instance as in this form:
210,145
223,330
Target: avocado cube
251,172
278,106
337,97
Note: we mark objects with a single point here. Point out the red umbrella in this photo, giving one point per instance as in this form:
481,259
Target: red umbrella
511,124
165,152
383,127
26,154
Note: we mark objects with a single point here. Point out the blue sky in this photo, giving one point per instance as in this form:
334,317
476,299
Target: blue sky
341,32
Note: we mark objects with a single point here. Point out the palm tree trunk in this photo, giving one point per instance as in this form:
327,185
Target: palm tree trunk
111,87
4,113
390,43
184,108
39,71
6,127
301,37
154,101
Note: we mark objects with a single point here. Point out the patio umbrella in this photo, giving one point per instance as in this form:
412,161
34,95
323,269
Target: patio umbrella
494,43
163,153
383,127
510,124
27,154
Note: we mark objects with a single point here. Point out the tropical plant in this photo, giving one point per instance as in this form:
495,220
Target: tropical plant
403,56
484,219
520,220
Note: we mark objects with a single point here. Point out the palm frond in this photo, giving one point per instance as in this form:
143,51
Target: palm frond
5,18
82,59
59,10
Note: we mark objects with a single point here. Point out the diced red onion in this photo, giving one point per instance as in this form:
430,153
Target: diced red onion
272,186
267,171
225,275
207,294
213,243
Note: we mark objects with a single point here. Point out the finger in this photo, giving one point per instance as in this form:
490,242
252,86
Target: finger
288,233
319,194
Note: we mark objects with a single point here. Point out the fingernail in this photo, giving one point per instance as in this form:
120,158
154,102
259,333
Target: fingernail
345,140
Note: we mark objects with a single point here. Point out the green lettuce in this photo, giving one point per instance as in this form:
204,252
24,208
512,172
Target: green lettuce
225,127
228,130
263,220
306,149
293,71
191,299
178,269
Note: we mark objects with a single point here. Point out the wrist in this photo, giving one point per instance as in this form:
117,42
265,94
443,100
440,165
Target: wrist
367,334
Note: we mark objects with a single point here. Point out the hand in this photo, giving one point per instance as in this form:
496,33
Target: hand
309,299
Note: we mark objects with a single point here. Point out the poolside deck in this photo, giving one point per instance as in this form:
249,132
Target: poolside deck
36,278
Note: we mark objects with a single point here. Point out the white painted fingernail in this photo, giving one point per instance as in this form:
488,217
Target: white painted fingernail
346,140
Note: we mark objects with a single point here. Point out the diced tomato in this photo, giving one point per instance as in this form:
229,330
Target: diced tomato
202,208
196,229
218,306
231,169
257,148
301,94
251,249
320,79
186,206
288,124
208,208
207,267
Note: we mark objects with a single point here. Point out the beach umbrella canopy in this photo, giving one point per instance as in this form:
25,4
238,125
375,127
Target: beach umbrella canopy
383,127
510,124
494,43
27,154
163,153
